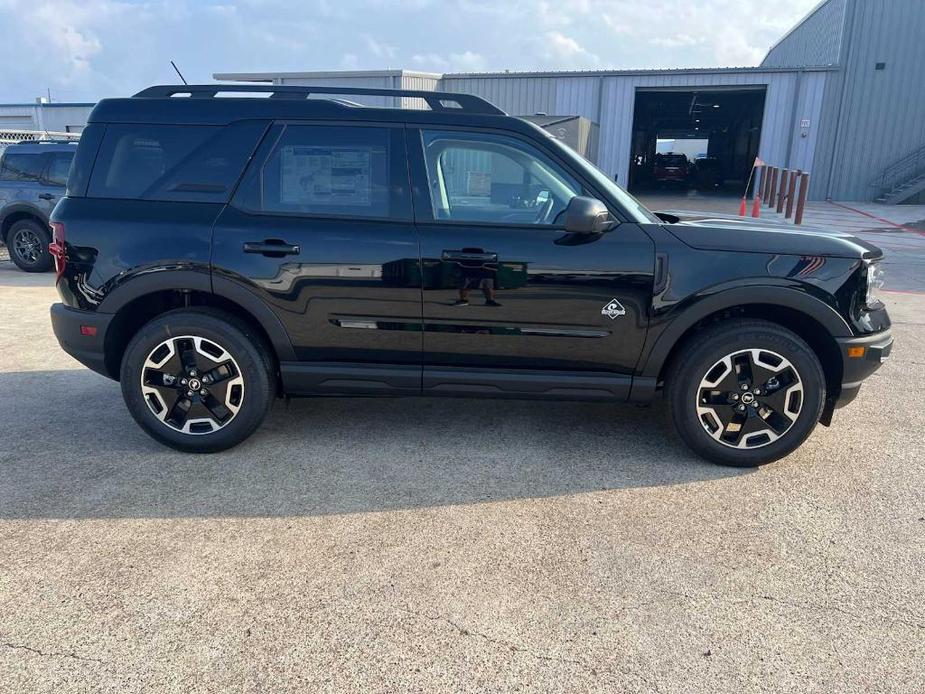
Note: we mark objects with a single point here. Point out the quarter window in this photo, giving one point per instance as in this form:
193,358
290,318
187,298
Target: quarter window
331,171
173,162
494,179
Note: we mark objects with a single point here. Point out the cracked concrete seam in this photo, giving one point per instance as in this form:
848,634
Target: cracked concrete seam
514,648
50,654
863,618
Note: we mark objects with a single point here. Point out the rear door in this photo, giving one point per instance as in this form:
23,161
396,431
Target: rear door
321,230
54,178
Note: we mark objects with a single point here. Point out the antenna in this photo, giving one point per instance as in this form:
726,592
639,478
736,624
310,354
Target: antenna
178,72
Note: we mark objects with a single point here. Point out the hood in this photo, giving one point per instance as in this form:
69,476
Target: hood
718,232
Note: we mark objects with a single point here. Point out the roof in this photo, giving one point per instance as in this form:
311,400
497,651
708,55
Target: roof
40,146
324,74
55,104
635,73
796,26
355,74
214,104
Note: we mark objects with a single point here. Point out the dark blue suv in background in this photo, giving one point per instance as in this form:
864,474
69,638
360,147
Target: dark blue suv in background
32,179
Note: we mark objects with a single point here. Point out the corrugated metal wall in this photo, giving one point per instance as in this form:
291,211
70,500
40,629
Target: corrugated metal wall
791,97
419,81
873,117
814,41
52,117
14,117
375,81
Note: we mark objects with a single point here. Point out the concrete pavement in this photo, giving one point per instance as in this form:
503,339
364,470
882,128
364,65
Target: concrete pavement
451,545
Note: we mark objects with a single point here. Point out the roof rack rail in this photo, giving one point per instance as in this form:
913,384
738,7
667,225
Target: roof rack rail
48,142
447,102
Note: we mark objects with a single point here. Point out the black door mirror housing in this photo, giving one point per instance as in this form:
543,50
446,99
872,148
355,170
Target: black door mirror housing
587,216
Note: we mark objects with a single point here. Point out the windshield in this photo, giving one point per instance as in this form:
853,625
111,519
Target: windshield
636,211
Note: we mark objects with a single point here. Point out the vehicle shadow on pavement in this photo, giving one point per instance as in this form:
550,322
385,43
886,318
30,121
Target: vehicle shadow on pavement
73,451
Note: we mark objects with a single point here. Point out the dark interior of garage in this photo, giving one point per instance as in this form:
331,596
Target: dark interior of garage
703,141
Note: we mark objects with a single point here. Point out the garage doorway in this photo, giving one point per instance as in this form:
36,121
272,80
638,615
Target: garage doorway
692,142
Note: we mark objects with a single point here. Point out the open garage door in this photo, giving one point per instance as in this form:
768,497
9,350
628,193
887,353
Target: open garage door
692,140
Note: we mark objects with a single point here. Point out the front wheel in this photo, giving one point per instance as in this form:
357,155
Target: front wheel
197,380
746,393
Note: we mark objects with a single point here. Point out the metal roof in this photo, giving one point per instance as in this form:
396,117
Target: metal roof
55,104
270,76
323,74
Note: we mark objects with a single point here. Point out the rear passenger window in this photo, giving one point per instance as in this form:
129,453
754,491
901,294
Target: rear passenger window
339,171
173,162
21,167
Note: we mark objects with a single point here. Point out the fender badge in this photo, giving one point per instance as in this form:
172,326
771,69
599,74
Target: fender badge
613,309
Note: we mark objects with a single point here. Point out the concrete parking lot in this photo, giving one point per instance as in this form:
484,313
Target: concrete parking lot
451,545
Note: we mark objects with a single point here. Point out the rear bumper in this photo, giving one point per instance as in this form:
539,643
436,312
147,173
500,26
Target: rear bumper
861,356
88,349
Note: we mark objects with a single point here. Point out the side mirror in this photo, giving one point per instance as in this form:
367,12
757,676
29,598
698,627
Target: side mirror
587,216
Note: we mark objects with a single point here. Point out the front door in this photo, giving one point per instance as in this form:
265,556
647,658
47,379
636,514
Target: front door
512,302
321,229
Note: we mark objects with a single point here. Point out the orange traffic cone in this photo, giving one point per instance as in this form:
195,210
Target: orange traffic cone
742,207
756,207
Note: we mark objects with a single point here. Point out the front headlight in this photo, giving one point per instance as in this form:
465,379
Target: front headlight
875,277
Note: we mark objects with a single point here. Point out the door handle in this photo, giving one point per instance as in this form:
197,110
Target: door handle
272,248
47,196
461,256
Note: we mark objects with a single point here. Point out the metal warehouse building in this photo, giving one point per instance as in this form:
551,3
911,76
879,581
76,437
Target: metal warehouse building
42,115
841,95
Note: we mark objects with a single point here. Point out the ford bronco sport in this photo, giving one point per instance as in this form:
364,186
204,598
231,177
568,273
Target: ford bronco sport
32,179
213,253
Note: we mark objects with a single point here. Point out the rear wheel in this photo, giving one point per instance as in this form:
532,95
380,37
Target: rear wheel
28,242
746,393
197,380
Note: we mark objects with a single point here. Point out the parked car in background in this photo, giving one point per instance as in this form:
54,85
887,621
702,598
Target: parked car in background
708,173
32,179
671,168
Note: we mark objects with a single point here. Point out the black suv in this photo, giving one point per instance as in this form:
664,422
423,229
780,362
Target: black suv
32,179
213,253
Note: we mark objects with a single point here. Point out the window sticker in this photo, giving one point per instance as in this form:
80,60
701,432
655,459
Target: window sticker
315,175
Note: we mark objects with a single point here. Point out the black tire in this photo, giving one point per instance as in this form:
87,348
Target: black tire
27,241
247,355
707,416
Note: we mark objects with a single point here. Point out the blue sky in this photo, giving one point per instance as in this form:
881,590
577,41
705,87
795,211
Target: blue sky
88,49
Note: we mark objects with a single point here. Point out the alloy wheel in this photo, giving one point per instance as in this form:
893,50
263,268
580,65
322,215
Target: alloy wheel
749,398
27,246
192,385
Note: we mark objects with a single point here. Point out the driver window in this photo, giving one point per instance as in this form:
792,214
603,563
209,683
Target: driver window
494,179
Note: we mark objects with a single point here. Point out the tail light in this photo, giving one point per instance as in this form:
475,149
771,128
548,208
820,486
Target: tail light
57,247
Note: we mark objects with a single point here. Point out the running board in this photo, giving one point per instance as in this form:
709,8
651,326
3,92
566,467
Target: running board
337,378
522,383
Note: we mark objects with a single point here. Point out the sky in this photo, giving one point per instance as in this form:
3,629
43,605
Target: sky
83,50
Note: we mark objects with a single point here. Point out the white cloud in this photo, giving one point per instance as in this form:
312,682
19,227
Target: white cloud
87,49
675,40
380,49
566,49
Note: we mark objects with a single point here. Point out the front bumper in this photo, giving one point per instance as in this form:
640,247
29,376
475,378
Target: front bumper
82,334
861,356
